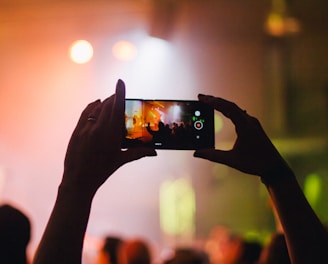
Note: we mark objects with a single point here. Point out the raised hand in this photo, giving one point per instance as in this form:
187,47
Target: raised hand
253,152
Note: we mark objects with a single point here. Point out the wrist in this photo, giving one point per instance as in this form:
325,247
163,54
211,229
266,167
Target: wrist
276,174
73,192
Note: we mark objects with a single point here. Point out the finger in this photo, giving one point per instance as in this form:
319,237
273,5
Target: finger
118,116
119,105
103,115
215,155
227,108
137,153
83,120
95,113
111,117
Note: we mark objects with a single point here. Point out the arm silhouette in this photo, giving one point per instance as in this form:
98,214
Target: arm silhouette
254,153
93,154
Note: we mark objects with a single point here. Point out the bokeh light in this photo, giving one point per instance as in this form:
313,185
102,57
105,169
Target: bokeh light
275,25
177,207
278,25
312,188
218,123
124,50
81,51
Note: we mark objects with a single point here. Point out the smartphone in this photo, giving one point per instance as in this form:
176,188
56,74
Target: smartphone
168,124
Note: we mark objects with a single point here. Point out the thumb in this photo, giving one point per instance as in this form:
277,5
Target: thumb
215,155
137,153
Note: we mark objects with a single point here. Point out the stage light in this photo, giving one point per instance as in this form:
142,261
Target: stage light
218,123
177,207
275,25
124,50
81,51
312,188
279,23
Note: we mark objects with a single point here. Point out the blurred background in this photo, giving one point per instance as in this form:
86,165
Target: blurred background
270,57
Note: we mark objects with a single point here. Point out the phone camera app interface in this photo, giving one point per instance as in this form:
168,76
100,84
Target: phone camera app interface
198,125
165,124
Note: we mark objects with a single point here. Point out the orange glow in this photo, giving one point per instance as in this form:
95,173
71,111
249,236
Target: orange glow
124,50
293,25
275,25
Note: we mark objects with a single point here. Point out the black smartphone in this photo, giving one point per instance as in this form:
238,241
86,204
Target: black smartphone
168,124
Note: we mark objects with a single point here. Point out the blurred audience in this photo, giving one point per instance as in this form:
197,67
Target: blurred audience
15,234
223,246
249,252
188,256
134,251
108,253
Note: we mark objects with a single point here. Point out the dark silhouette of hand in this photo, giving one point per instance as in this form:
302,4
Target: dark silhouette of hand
94,151
253,152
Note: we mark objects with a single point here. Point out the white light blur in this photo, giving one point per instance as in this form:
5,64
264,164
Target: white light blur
150,71
81,51
175,113
159,69
154,62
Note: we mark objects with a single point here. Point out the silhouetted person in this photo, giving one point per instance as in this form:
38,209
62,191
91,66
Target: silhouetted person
223,246
161,135
249,253
276,251
94,153
188,256
135,251
109,250
15,234
254,153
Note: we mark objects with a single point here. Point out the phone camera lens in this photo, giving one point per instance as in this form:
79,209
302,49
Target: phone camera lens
198,125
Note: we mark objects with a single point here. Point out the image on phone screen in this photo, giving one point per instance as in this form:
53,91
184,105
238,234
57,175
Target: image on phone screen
168,124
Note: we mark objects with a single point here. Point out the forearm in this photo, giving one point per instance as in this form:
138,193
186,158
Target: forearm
62,241
305,235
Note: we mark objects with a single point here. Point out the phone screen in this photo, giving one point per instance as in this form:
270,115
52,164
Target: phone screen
168,124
